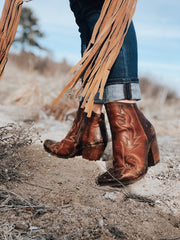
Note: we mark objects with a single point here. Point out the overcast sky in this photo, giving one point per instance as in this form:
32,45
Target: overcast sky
157,24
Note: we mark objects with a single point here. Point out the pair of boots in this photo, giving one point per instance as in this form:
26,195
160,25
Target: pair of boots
133,139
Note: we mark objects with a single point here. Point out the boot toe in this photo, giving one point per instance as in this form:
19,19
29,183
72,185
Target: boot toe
114,179
108,178
47,144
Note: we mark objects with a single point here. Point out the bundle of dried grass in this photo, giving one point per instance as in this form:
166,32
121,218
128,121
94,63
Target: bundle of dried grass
8,26
102,51
13,139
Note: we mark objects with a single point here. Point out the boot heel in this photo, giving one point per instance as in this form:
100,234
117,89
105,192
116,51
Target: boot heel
153,155
93,152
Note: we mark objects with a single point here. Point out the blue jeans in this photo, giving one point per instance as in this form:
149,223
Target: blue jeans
122,82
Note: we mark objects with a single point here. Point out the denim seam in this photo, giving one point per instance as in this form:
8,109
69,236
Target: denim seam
124,57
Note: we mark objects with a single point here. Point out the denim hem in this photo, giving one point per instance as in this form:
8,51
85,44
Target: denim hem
115,92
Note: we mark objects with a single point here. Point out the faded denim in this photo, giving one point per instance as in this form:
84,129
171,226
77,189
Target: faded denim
123,82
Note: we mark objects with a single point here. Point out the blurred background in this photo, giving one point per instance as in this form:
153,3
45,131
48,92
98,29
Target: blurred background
158,31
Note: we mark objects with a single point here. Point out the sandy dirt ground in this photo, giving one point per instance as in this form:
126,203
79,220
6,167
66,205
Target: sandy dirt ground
49,198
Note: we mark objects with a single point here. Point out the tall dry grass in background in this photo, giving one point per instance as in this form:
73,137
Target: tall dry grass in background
34,82
152,90
44,66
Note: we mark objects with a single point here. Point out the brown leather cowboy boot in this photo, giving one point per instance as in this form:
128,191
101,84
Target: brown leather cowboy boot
87,137
134,145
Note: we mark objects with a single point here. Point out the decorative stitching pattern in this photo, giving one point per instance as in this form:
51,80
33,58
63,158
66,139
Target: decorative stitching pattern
129,141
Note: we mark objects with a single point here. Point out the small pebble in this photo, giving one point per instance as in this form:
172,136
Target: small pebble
33,228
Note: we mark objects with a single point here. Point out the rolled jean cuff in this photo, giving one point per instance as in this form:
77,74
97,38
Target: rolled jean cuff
115,92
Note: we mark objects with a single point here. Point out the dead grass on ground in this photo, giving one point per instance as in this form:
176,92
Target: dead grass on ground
13,138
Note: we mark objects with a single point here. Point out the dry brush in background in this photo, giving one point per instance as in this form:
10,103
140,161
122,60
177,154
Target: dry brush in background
39,81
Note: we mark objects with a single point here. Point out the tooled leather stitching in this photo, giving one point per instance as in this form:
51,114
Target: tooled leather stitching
72,137
122,122
73,134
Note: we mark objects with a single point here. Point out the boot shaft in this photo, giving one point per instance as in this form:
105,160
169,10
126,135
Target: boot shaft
125,116
94,130
77,126
132,135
